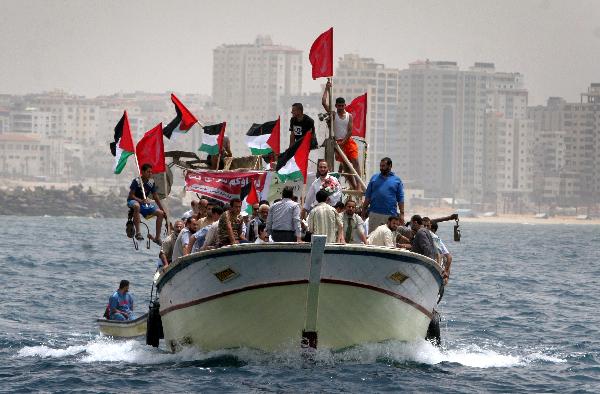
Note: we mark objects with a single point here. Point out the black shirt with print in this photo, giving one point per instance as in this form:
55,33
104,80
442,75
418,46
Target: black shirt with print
301,127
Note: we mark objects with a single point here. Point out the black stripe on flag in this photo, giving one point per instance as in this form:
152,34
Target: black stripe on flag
260,129
288,154
168,130
214,129
118,135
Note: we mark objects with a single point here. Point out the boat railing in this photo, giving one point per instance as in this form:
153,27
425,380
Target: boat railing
303,246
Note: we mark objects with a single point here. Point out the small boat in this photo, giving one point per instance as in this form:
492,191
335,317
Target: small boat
123,328
271,296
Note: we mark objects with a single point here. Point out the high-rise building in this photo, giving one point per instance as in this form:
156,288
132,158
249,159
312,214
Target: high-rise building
252,77
248,83
575,178
355,76
457,131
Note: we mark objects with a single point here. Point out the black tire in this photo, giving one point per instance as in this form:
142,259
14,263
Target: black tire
154,329
433,331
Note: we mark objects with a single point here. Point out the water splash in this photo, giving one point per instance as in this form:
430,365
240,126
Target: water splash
104,349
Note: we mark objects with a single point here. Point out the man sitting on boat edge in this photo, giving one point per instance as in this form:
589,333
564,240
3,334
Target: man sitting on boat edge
120,304
136,201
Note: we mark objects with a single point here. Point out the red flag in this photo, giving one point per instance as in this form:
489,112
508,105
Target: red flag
274,139
358,109
151,149
321,55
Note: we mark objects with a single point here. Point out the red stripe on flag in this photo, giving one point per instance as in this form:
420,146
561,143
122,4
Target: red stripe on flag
221,136
274,138
126,142
301,155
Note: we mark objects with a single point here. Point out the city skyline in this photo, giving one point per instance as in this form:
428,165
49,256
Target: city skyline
103,48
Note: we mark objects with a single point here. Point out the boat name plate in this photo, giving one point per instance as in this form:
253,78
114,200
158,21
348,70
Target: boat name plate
398,277
226,274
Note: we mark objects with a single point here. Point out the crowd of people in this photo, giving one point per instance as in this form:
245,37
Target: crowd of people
378,221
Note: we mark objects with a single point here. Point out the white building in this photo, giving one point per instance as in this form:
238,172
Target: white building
356,76
252,77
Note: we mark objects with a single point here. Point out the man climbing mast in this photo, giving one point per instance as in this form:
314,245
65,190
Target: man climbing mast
342,132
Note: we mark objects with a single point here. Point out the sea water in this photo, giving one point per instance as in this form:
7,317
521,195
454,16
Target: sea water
520,314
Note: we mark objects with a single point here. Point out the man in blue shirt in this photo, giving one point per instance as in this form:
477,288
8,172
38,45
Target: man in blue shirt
120,304
384,196
143,206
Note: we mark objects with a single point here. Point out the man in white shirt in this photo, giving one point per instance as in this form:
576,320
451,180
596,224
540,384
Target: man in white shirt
323,180
384,235
180,248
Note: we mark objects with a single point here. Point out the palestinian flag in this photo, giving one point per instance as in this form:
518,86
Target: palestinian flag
263,139
212,138
249,196
123,146
293,163
183,122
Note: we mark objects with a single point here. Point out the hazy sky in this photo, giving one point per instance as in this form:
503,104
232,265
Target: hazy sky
103,47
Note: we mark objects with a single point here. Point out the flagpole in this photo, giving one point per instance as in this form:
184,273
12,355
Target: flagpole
140,172
329,150
165,184
218,161
330,106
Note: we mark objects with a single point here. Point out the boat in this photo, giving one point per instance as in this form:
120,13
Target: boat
281,295
123,328
277,296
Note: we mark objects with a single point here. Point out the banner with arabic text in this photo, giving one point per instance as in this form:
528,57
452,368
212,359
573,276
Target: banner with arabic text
223,186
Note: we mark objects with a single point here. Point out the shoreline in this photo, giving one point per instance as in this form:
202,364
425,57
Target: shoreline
507,218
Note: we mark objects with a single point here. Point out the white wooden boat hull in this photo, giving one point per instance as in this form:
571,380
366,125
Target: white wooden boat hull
123,329
265,296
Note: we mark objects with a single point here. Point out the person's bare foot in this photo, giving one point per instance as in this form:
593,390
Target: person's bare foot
156,240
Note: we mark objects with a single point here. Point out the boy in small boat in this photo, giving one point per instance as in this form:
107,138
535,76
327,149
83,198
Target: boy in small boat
120,303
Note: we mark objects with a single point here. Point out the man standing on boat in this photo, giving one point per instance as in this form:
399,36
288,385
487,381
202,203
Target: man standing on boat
143,206
384,196
323,181
300,124
325,220
422,242
342,131
230,227
120,303
283,221
354,228
262,213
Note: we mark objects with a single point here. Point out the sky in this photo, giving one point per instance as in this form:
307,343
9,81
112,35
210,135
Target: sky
104,47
